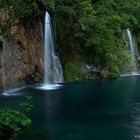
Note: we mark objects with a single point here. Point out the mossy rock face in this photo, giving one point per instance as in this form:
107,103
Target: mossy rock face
73,72
77,71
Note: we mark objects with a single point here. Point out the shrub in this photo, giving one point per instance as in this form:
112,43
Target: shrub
73,72
12,122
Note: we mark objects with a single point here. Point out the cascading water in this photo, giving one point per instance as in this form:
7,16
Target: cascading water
132,50
53,70
131,46
53,73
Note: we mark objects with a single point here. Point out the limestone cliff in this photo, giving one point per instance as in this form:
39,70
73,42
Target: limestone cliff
21,55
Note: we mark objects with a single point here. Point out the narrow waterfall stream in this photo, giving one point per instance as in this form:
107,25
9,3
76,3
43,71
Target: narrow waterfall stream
52,67
53,74
131,46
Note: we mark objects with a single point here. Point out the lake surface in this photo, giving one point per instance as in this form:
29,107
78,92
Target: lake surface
97,110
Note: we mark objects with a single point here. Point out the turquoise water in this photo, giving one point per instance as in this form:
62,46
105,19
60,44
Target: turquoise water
98,110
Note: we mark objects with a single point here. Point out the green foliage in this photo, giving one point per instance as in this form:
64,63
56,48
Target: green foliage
12,122
91,76
110,73
73,72
15,11
98,26
20,8
26,9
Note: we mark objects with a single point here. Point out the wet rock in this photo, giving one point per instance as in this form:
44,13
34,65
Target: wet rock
90,72
22,52
2,82
35,77
88,69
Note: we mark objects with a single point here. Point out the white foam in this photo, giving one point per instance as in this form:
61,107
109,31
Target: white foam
47,86
130,74
9,92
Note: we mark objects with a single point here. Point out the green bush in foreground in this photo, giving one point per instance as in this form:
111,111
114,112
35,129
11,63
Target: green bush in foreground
12,122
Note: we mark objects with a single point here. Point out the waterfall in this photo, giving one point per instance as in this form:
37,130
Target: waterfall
131,45
52,67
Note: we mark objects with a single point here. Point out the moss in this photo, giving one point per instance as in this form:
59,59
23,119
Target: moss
73,72
109,73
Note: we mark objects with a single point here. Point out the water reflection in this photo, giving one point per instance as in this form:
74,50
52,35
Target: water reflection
98,110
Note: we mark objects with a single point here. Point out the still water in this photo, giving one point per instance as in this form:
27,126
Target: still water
97,110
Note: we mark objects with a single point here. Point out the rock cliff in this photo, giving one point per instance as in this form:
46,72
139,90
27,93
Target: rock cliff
21,55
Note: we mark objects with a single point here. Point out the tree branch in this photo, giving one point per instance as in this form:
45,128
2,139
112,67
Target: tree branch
9,21
8,27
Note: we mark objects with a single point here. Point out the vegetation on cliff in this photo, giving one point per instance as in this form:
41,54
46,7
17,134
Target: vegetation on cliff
86,31
95,28
95,31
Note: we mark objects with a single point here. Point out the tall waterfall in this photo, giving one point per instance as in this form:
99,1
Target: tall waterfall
53,70
131,45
